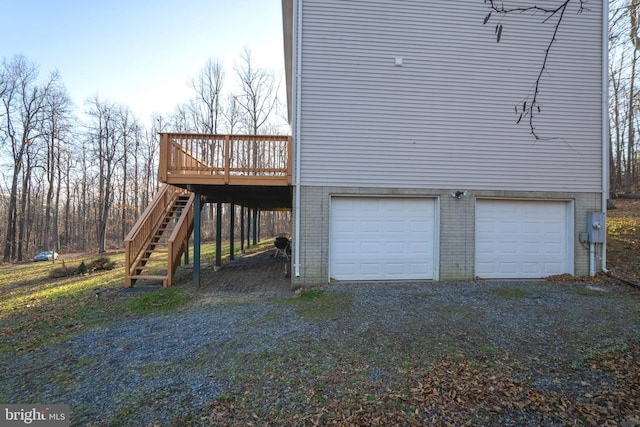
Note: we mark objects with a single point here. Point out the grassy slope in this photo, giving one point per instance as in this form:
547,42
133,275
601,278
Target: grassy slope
36,309
623,248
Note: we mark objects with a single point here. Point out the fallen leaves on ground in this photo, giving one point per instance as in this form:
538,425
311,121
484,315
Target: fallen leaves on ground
623,239
456,391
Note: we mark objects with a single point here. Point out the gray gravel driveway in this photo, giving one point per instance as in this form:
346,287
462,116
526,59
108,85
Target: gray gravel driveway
168,368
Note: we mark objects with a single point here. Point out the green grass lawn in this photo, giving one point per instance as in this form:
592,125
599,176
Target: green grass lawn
623,239
36,309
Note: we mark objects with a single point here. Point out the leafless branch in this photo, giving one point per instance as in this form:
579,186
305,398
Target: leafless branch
530,106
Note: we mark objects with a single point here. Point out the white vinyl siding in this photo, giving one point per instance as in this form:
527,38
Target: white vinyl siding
446,118
382,238
523,239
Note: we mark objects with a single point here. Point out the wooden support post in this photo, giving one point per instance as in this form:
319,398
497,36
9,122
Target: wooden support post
179,211
232,219
248,228
218,236
196,238
163,159
258,225
242,230
255,227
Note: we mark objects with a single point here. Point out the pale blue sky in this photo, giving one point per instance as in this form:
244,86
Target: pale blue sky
140,53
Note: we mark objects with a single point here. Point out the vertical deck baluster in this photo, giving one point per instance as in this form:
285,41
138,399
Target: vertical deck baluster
226,159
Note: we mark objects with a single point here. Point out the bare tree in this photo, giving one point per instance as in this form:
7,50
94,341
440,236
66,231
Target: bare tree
180,119
56,126
208,88
258,93
615,130
623,95
107,141
232,114
126,130
22,104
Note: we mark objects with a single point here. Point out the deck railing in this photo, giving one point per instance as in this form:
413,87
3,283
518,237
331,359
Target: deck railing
225,159
142,231
178,242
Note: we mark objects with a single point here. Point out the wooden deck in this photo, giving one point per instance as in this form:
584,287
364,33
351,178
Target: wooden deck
246,160
249,170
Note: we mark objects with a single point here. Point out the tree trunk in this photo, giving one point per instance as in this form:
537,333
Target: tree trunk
635,40
9,248
631,129
23,210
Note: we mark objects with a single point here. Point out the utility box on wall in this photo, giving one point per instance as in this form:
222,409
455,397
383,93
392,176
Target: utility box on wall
596,227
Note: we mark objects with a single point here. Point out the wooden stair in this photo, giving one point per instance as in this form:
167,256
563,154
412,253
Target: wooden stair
160,237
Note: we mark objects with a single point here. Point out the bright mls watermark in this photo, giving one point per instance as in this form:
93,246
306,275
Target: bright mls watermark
35,415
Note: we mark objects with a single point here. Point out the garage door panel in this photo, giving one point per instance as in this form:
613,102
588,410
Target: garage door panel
395,249
522,239
553,249
530,268
345,226
396,269
506,227
388,238
342,268
531,228
423,227
419,269
394,226
369,226
368,249
551,268
531,248
370,269
419,249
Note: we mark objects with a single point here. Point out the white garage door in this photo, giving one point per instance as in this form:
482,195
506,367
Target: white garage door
382,238
523,239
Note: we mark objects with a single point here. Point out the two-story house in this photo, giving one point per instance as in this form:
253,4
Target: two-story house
432,140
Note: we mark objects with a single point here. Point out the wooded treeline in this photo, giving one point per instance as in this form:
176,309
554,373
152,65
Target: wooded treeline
624,92
75,178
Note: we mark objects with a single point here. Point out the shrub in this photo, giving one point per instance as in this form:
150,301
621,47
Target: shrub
82,269
101,264
59,272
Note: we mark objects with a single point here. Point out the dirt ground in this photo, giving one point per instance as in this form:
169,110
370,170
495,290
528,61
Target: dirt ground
257,273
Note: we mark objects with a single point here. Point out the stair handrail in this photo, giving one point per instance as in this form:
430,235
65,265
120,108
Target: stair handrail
178,241
142,231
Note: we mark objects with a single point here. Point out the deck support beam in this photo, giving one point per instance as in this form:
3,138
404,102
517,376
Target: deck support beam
248,227
218,235
196,237
255,227
232,220
242,229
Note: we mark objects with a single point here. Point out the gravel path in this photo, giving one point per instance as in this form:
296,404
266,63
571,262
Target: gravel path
168,368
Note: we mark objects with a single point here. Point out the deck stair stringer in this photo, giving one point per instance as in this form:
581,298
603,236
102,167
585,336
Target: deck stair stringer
156,242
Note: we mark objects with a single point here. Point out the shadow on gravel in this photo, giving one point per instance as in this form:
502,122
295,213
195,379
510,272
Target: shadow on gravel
254,273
